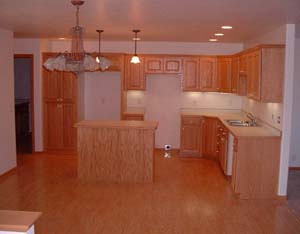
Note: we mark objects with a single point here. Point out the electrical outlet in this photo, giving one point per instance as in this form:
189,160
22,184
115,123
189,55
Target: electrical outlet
195,103
294,157
278,119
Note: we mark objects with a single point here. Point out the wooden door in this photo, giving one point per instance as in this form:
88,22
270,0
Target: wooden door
134,75
53,126
224,74
154,64
69,118
172,65
190,79
210,136
68,87
208,74
191,136
235,75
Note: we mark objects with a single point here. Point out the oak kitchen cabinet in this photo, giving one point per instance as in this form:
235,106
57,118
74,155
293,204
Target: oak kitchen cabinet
210,136
208,74
222,145
224,74
134,76
163,64
255,169
60,109
191,135
265,74
235,74
190,76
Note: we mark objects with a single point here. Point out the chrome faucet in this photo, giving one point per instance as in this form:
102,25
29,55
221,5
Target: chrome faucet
252,118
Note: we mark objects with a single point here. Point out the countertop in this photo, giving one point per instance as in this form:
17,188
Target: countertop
262,130
117,124
17,221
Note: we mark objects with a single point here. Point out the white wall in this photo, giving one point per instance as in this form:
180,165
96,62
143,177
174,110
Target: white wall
295,135
7,123
102,95
275,36
33,46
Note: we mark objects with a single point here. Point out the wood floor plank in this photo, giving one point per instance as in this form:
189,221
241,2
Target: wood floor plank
188,196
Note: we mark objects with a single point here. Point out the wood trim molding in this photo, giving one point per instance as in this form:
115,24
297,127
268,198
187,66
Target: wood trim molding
294,168
31,56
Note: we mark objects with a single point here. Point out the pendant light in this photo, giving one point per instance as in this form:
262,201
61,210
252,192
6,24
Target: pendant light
103,62
135,59
77,60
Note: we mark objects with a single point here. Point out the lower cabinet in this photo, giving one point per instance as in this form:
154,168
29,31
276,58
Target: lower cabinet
255,170
210,136
191,136
222,146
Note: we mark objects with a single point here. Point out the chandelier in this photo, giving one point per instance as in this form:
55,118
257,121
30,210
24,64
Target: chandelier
77,60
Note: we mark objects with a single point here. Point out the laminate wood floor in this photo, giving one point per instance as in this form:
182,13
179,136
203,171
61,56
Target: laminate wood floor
189,196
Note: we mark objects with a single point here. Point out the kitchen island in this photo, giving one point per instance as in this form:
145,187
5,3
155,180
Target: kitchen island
116,151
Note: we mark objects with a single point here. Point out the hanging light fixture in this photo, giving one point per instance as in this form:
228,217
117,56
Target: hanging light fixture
135,59
77,60
103,62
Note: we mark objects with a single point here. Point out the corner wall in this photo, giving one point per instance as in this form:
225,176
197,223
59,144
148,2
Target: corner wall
7,123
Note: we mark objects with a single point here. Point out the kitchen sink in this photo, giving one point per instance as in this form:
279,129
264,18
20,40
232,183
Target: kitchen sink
240,123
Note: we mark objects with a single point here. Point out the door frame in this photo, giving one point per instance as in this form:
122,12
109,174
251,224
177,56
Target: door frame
31,56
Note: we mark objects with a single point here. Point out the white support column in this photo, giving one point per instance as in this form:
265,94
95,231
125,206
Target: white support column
287,109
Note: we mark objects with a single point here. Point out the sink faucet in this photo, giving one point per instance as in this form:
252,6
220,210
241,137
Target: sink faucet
252,118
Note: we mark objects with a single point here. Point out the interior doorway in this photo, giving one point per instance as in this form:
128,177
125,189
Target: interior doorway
24,102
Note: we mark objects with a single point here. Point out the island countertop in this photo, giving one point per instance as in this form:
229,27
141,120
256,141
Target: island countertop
117,124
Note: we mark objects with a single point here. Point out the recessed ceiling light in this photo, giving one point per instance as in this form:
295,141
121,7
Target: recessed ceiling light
226,27
219,34
62,38
213,39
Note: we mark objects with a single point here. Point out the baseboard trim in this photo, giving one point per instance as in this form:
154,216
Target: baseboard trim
294,168
281,198
8,172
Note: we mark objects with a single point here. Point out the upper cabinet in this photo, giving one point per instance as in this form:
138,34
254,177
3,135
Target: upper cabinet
154,64
224,74
190,76
265,74
208,74
235,75
163,64
134,74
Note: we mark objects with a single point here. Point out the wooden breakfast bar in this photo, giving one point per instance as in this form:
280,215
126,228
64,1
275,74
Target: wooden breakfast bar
116,151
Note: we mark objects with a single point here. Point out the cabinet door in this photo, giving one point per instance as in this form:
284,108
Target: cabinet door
69,87
172,65
52,85
53,122
235,75
254,74
224,151
134,75
210,136
234,181
191,136
68,120
256,79
224,74
208,74
190,79
154,64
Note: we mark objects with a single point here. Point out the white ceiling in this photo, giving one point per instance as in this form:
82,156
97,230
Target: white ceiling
159,20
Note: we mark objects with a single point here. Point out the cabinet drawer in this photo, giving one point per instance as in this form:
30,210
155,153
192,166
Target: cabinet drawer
189,120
